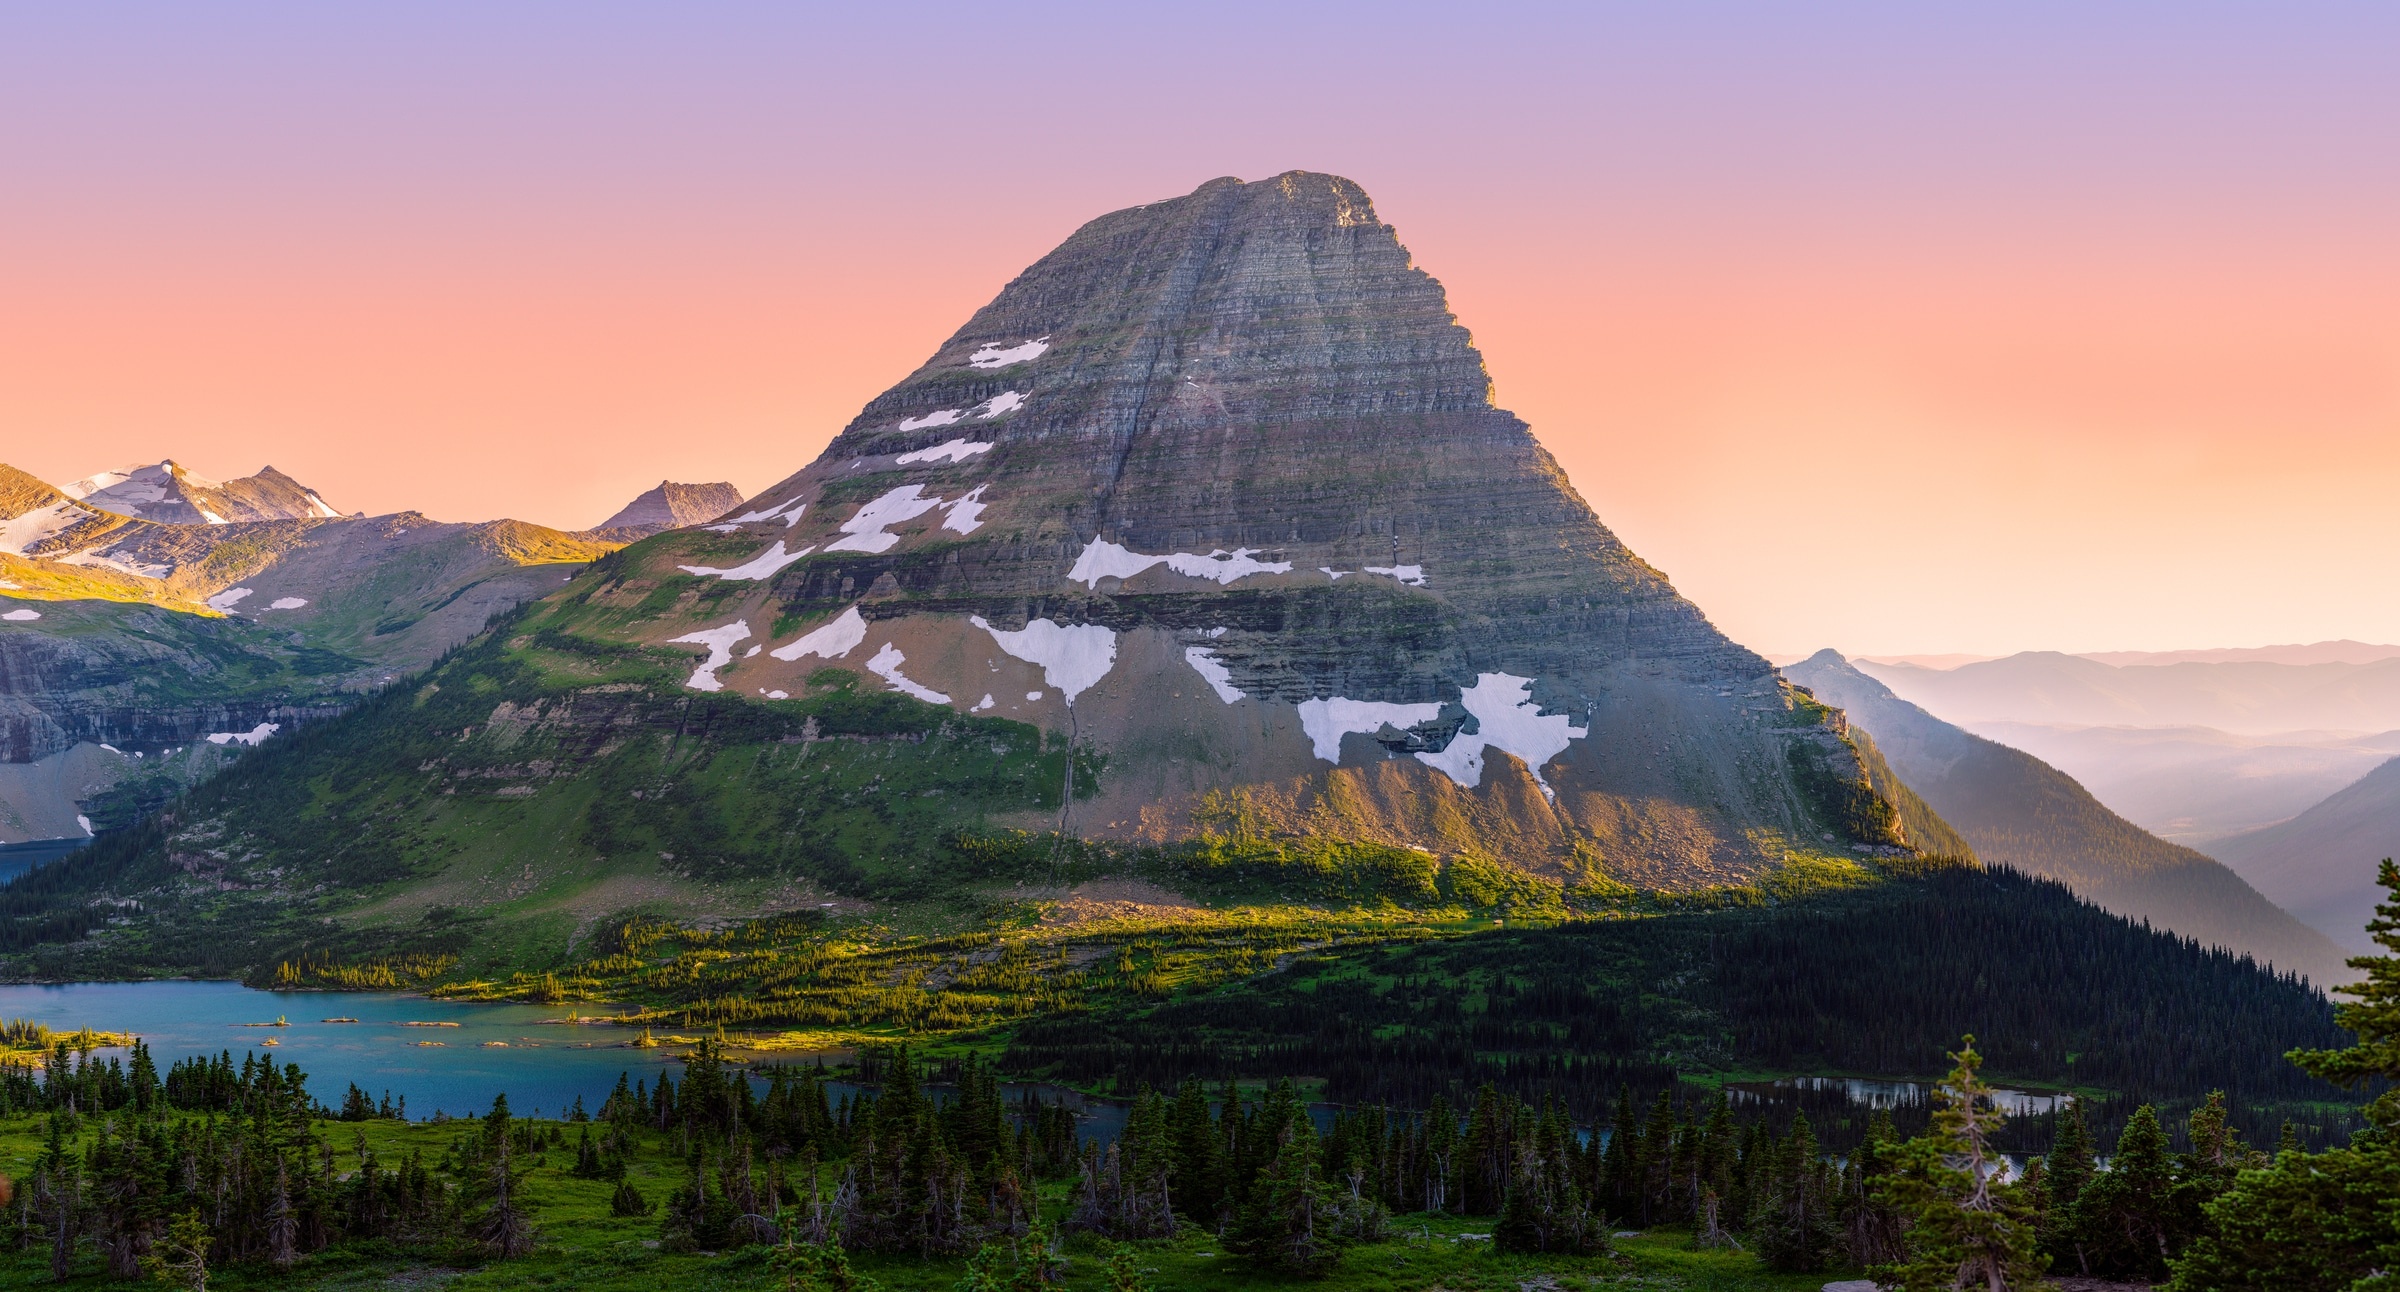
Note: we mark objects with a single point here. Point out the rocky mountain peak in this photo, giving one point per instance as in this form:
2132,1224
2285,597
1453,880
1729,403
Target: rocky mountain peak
168,493
1218,488
671,506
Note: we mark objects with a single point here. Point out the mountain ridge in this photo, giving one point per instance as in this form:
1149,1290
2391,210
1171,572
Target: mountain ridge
2018,811
2320,865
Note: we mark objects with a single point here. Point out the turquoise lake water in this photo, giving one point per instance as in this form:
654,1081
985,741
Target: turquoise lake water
540,1062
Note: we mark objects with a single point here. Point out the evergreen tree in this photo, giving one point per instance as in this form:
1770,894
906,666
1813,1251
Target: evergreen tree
2322,1222
2123,1221
1792,1224
1967,1231
1291,1223
1871,1226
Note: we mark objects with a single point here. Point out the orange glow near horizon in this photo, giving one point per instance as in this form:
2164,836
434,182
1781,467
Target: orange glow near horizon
2061,373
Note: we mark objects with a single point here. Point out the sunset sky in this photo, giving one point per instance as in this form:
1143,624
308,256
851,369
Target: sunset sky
2002,327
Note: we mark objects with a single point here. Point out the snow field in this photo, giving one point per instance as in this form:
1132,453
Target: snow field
1102,559
1072,657
250,737
1506,719
865,532
1204,661
1327,721
831,640
886,665
720,643
947,451
762,566
994,355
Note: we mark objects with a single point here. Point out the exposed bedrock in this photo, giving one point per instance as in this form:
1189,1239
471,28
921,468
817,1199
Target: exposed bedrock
1242,432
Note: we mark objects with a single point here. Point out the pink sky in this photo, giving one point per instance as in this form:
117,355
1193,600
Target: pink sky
1874,329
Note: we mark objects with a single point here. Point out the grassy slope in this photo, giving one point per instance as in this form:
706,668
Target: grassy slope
583,1246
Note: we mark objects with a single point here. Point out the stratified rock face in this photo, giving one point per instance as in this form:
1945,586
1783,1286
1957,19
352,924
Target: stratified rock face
1218,488
673,506
167,493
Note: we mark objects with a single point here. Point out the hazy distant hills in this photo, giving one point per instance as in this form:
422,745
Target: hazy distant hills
2245,695
2320,865
2192,785
2020,812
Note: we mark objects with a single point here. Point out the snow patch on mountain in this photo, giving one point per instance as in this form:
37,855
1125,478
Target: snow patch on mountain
224,602
1327,721
1204,661
1506,719
39,525
949,450
942,418
287,603
832,640
1072,657
790,512
866,529
1412,575
994,355
1007,401
250,737
22,616
966,514
886,665
762,566
1102,559
720,642
109,560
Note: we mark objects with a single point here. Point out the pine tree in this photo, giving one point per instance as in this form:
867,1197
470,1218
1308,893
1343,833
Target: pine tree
2372,1013
1289,1222
1968,1231
2322,1222
2123,1221
1792,1223
180,1260
2067,1170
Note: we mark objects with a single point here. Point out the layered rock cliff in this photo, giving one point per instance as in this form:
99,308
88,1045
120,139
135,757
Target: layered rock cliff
1218,489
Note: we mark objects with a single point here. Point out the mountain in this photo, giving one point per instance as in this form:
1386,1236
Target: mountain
129,645
670,506
170,494
1200,552
2344,651
2190,785
2020,812
2250,696
2320,865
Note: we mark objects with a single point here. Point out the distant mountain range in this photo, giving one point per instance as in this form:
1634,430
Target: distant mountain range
2192,785
2018,811
168,493
153,622
2320,865
2252,696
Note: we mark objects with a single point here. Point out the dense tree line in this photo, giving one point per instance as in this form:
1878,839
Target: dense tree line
1882,980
